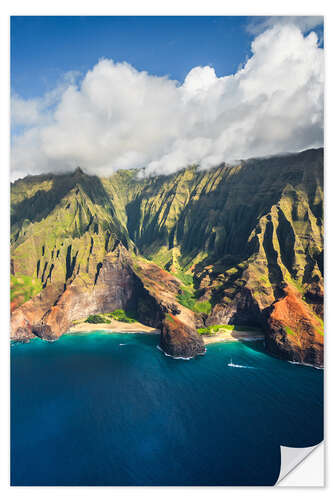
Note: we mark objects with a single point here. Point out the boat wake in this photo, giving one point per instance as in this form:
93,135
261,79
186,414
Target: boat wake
306,364
169,355
233,365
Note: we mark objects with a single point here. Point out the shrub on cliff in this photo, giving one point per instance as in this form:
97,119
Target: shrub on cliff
121,315
97,318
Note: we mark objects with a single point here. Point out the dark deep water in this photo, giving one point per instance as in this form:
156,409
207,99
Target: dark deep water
98,409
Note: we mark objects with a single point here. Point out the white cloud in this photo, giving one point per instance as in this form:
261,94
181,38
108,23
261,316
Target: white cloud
118,117
24,112
259,24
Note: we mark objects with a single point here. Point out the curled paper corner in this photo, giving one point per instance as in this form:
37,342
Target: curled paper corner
291,458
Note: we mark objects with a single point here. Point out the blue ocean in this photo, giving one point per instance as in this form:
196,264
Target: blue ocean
101,409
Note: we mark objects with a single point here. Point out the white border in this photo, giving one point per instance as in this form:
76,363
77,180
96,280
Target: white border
309,472
142,7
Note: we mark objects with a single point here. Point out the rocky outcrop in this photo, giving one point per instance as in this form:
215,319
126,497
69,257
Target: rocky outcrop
31,312
242,310
180,340
113,290
179,337
149,290
49,315
294,332
245,242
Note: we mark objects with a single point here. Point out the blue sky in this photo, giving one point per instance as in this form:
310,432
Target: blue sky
43,48
247,87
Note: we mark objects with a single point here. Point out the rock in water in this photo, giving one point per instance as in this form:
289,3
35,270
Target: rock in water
294,331
238,244
180,340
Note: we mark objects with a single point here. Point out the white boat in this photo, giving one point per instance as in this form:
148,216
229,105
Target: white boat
239,366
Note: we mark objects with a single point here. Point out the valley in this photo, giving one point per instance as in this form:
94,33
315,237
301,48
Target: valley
234,245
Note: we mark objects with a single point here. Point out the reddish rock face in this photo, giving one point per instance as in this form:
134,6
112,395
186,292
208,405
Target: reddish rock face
113,290
149,289
50,315
24,317
294,331
180,340
242,231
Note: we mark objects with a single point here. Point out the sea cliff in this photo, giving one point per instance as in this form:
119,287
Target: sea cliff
239,245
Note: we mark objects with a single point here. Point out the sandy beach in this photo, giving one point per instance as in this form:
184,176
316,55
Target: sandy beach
114,327
232,336
121,327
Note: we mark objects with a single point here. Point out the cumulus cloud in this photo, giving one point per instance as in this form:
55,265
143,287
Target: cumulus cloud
28,112
24,112
259,24
118,117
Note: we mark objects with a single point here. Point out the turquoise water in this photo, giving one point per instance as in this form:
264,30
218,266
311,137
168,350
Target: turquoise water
99,409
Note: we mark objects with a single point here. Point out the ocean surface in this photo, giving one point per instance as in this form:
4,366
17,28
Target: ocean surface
101,409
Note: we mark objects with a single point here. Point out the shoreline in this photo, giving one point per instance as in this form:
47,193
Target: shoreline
121,327
232,336
114,327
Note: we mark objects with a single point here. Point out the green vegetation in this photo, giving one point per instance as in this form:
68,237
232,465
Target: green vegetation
289,331
170,318
320,329
97,318
23,288
202,307
184,277
213,329
208,228
162,257
187,299
121,315
297,284
265,280
118,315
246,328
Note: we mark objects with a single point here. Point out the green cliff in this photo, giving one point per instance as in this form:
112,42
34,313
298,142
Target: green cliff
232,245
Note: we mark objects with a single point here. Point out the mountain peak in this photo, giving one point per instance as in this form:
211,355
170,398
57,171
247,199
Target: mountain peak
78,171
